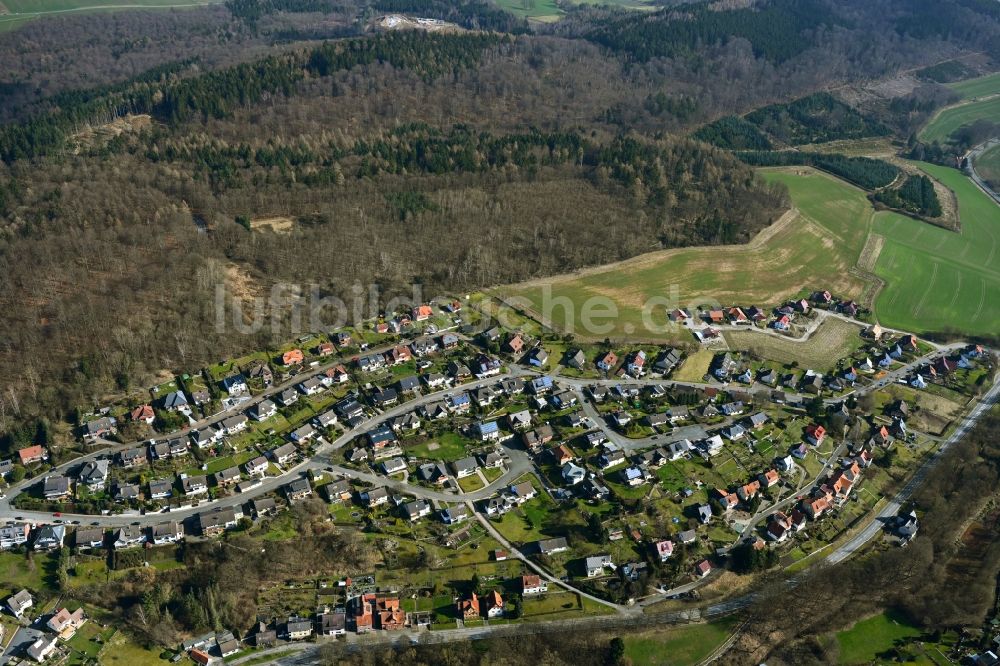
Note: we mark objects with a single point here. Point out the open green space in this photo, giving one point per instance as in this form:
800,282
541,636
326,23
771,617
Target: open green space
938,279
861,643
952,118
684,645
988,166
22,11
539,10
811,250
983,85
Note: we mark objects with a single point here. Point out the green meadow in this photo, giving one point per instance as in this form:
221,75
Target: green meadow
938,279
983,85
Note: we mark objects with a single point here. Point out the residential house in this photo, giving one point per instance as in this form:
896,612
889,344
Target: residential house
595,564
194,485
416,510
160,488
284,453
175,401
19,603
42,648
234,424
164,533
13,535
292,357
30,455
94,474
374,497
532,584
633,476
124,492
468,608
663,549
703,568
127,537
573,474
143,414
55,487
465,467
607,361
213,523
132,457
332,624
494,605
298,489
815,434
551,546
488,430
227,477
235,385
297,629
50,537
303,433
538,357
454,514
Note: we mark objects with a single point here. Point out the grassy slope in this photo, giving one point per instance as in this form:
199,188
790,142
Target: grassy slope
822,244
867,638
983,85
988,165
938,279
23,11
687,645
957,116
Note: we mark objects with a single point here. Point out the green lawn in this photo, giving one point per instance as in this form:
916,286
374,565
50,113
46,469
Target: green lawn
950,119
938,279
815,249
16,571
983,85
862,642
684,645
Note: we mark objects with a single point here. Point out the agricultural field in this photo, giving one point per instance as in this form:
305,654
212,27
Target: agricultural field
801,252
22,11
937,279
965,113
545,11
988,166
834,339
684,645
978,87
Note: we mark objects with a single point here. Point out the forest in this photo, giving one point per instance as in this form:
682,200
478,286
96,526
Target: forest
865,172
915,195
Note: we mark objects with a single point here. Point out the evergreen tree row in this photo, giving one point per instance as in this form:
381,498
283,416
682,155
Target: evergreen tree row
865,172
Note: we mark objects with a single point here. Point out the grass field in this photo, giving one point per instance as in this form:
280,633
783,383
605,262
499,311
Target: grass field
867,638
937,279
988,166
686,645
966,113
983,85
22,11
539,10
832,341
806,252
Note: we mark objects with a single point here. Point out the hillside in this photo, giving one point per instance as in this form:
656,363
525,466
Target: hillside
497,153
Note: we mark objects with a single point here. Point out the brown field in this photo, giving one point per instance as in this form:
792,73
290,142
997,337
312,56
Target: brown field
279,225
694,367
833,340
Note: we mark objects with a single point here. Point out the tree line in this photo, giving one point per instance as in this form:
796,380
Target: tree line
865,172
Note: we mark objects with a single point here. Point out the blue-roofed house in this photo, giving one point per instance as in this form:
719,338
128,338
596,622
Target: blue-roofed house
488,430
